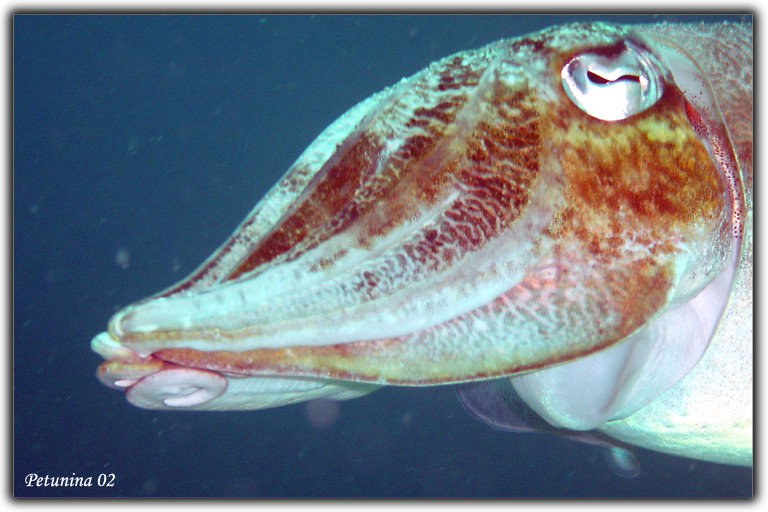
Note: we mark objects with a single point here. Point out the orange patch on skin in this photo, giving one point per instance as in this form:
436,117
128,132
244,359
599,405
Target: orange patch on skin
647,174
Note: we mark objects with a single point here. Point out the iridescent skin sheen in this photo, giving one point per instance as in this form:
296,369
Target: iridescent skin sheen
471,222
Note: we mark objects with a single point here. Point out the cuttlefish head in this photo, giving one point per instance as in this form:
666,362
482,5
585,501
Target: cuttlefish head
505,210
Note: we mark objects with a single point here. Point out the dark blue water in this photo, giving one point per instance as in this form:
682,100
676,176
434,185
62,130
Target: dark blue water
139,144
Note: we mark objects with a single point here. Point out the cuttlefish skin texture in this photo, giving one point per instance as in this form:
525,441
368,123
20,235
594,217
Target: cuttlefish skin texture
708,414
467,223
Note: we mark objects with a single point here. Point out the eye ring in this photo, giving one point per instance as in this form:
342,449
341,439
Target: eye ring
613,87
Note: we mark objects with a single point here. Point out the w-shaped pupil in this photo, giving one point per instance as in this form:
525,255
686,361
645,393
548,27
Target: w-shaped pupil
597,79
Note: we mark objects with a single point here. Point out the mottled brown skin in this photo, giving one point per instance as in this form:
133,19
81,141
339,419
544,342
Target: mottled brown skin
345,189
632,191
651,167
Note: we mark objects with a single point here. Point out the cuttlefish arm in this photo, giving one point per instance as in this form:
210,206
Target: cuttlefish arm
484,218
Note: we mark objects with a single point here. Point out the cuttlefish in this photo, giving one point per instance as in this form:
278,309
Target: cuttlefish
561,220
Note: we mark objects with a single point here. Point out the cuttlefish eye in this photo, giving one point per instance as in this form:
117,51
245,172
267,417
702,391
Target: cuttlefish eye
612,86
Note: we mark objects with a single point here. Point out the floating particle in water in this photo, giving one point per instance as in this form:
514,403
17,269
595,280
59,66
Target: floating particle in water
622,462
321,413
123,258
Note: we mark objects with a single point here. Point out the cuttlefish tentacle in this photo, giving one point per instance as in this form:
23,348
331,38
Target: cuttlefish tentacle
472,221
408,218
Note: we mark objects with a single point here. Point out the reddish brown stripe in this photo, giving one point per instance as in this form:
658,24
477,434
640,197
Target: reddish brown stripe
334,187
457,75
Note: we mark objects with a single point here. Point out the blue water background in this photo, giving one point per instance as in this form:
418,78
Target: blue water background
141,142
